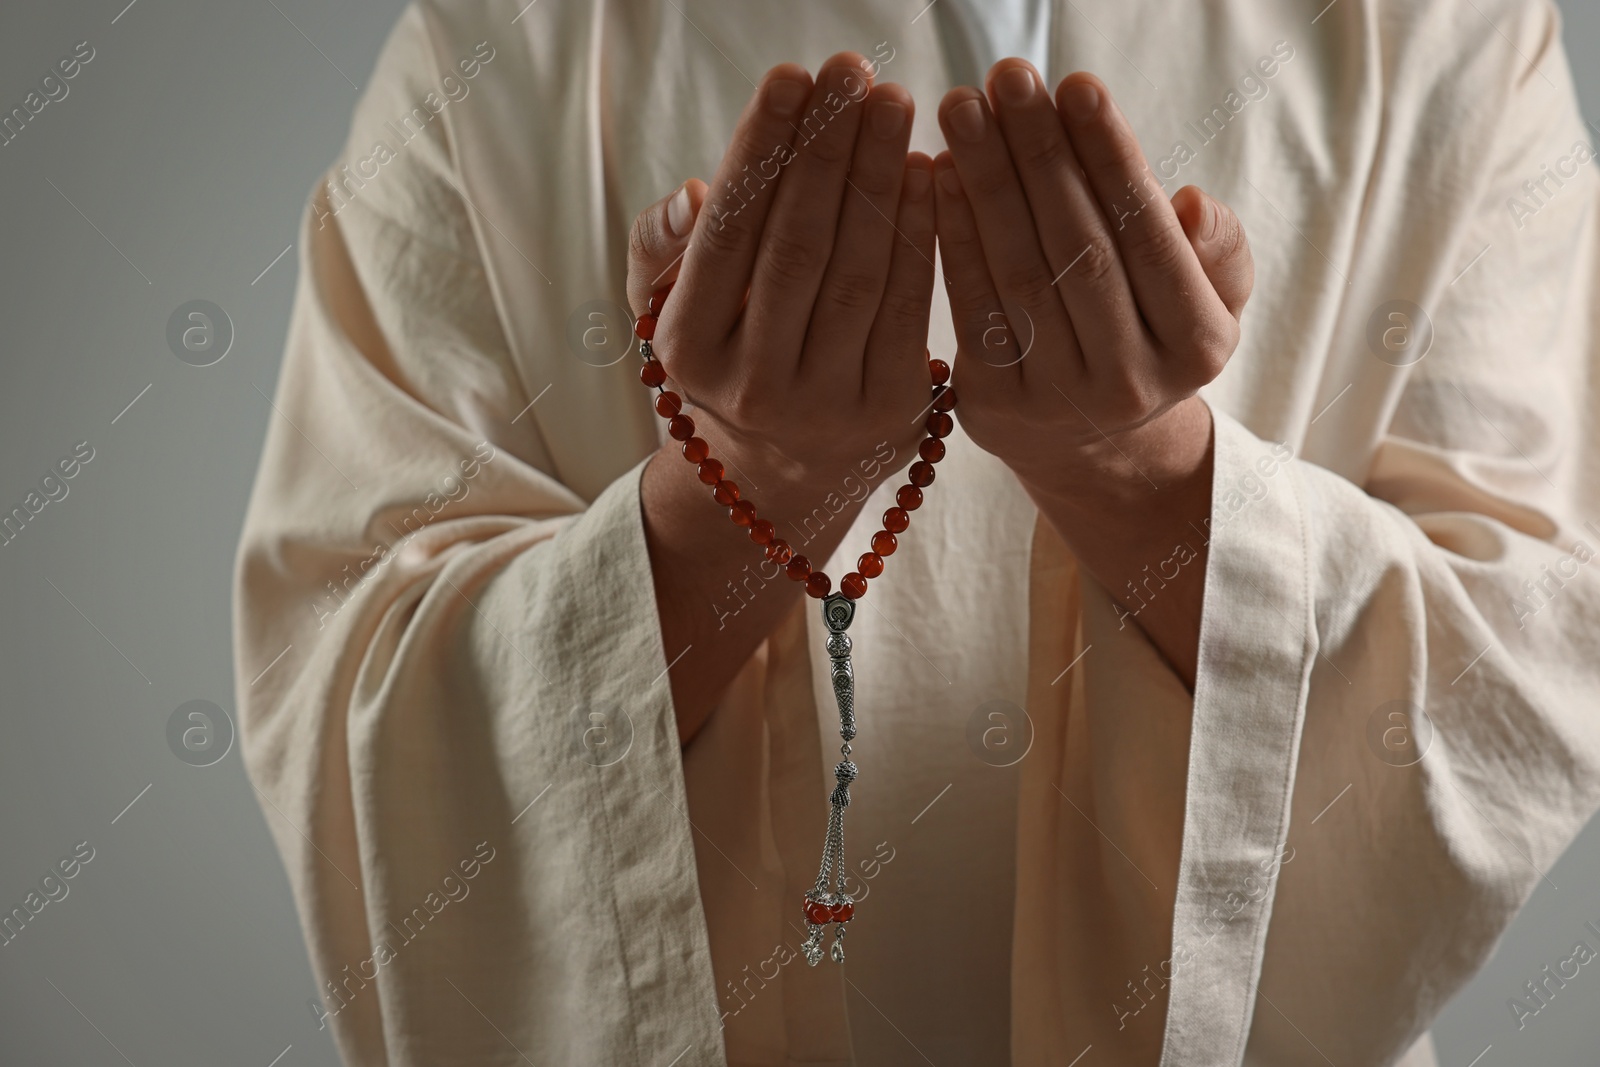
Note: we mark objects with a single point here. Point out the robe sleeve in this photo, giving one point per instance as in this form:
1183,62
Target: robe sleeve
450,670
1395,710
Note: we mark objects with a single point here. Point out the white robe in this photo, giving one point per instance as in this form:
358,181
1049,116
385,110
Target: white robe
444,545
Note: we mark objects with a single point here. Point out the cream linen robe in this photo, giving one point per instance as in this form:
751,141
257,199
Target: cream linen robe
444,548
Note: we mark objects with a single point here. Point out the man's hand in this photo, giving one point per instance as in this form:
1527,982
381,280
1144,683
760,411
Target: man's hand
797,330
1089,309
798,324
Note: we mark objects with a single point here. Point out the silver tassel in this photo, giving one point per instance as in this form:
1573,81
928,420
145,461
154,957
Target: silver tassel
828,902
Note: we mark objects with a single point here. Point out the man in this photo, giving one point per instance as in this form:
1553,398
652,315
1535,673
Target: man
1303,657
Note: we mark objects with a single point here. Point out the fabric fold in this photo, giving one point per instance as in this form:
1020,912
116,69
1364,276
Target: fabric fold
1257,643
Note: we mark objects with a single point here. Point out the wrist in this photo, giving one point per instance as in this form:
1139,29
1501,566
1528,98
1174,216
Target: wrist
810,511
1147,546
1150,465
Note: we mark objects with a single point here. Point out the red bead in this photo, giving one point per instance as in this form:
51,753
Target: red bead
842,912
681,427
921,473
742,512
695,450
658,299
818,584
818,913
940,370
895,521
652,373
726,493
645,326
710,471
908,497
884,543
798,568
944,399
761,531
668,404
939,424
779,551
870,564
931,449
853,586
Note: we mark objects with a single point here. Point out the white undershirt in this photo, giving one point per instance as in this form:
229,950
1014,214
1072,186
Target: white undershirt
980,32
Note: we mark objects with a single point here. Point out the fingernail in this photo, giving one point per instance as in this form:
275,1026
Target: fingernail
1203,225
1212,225
678,212
1081,101
949,180
918,182
1016,85
888,117
967,120
784,97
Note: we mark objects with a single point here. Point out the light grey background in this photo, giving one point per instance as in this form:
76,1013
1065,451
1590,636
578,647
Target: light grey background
174,170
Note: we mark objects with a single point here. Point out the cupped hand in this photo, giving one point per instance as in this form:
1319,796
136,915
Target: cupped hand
797,325
1089,308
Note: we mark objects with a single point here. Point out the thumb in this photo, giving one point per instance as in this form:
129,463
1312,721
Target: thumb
659,238
1217,237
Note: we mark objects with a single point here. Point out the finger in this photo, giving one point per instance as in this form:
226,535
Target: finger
1173,293
857,271
798,237
716,271
1006,227
659,238
983,335
898,343
1218,239
1072,230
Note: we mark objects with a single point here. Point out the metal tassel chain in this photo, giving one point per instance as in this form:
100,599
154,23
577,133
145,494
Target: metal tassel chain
828,902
